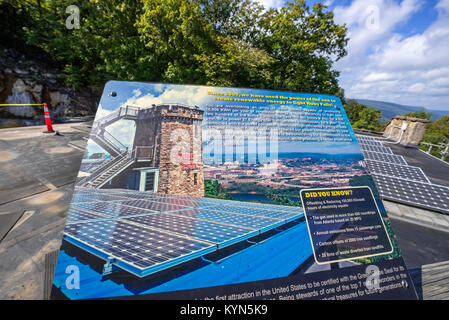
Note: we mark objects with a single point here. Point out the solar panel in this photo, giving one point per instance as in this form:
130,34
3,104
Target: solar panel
395,170
376,149
75,215
234,219
87,197
209,231
251,211
370,143
421,194
112,226
255,205
384,157
154,205
365,138
135,249
111,209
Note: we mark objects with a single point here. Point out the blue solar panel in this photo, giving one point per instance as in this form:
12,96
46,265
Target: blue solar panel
76,215
383,157
397,170
364,138
138,250
153,205
208,201
234,219
434,197
86,197
144,232
212,232
252,211
370,143
376,149
111,209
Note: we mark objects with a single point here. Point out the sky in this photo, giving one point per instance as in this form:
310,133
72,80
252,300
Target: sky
398,50
144,95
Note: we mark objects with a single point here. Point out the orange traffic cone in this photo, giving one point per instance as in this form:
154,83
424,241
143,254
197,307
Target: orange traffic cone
47,119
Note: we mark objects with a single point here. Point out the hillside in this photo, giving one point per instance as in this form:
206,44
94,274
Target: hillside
389,110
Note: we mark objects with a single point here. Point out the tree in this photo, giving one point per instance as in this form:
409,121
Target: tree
353,109
303,44
363,117
421,114
213,42
369,119
437,133
213,189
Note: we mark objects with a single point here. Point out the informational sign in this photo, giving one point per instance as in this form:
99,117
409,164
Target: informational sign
214,193
344,224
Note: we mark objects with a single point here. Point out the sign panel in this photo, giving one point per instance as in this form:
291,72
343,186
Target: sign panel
195,192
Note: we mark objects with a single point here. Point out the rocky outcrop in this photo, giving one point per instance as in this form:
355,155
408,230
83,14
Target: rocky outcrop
24,81
407,131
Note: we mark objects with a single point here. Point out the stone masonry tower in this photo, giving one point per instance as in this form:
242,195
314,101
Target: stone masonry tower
171,135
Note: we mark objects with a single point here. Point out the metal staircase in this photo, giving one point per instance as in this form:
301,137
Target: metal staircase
127,113
111,171
122,158
107,141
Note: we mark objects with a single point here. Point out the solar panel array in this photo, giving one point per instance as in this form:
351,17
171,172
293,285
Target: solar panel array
383,157
398,181
370,143
144,233
397,171
376,149
432,196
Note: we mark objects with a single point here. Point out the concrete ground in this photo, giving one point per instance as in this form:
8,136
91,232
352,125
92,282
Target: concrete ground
37,175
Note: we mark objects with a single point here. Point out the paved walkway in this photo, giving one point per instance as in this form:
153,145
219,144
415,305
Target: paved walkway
37,175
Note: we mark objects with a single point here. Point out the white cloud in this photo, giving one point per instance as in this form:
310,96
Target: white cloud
271,3
191,96
370,21
384,65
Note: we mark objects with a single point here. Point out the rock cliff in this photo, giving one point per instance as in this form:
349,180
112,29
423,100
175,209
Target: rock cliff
26,81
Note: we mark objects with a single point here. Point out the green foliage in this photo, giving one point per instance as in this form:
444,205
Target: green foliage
437,133
283,200
363,117
213,189
439,127
421,114
301,42
213,42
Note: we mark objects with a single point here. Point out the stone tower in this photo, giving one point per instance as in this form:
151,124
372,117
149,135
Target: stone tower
171,135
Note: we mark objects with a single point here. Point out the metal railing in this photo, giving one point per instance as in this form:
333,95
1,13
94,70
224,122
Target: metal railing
113,142
441,149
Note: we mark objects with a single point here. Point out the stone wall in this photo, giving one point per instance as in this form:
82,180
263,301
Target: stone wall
414,133
175,133
26,81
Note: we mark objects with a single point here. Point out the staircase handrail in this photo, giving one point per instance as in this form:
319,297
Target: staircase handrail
120,147
99,172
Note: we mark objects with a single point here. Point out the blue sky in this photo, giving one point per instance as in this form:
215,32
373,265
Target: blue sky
398,50
143,95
